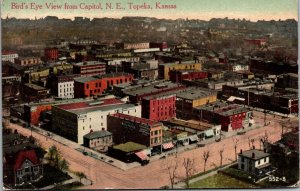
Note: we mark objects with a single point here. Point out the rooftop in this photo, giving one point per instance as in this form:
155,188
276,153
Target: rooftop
97,77
135,119
177,63
195,93
224,109
90,63
36,87
151,88
197,125
85,79
129,147
258,154
97,134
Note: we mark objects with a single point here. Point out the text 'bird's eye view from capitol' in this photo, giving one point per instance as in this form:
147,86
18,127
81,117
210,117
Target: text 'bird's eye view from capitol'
145,94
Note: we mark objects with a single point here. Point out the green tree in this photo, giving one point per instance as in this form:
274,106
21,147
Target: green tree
81,175
64,165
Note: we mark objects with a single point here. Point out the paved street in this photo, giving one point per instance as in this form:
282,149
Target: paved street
154,175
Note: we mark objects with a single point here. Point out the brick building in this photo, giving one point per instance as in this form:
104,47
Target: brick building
164,69
9,55
31,92
128,46
136,94
230,116
190,98
177,76
127,128
89,68
160,106
28,61
97,85
51,54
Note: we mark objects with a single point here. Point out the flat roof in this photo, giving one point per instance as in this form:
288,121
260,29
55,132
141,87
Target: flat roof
111,75
36,87
195,93
90,63
163,94
225,109
151,88
97,134
85,79
193,124
129,147
53,102
177,63
135,119
258,154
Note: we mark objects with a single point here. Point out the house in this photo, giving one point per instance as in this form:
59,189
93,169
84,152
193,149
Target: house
255,162
22,160
89,68
98,140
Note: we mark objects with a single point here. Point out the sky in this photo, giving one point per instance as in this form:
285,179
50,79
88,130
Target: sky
192,9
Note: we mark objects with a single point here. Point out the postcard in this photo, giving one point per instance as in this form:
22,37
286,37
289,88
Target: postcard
149,94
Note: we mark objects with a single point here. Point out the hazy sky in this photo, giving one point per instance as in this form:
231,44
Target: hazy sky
192,9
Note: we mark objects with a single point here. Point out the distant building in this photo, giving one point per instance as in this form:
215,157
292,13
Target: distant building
51,54
9,55
257,42
255,162
89,68
127,128
137,93
164,69
161,45
98,140
74,120
27,61
213,84
177,76
63,86
230,116
32,92
128,46
97,85
190,98
160,106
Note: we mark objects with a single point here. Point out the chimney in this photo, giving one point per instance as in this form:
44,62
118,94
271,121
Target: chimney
265,150
253,147
241,151
253,155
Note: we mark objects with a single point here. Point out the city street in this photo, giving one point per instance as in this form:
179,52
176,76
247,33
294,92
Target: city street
154,175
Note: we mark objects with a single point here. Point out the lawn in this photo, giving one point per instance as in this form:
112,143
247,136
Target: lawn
221,181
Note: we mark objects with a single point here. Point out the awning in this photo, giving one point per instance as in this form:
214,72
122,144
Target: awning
209,133
232,98
168,145
194,138
141,155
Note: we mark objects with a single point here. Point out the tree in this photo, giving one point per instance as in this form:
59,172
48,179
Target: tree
235,143
188,165
205,155
80,175
221,151
64,165
52,152
250,143
172,166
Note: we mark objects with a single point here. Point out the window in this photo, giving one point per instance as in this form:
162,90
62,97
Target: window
27,169
242,166
265,159
90,126
87,86
259,162
83,127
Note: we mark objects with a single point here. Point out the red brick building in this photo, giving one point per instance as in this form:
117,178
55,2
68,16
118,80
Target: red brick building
177,76
89,68
32,112
160,45
51,54
159,107
231,117
96,85
127,128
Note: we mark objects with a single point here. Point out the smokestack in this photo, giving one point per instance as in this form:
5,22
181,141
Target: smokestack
253,155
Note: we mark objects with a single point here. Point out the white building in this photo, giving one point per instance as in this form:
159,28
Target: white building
9,56
255,162
75,120
239,67
66,89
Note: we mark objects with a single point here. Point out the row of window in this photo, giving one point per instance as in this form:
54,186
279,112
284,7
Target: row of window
103,140
66,85
157,132
111,82
156,140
